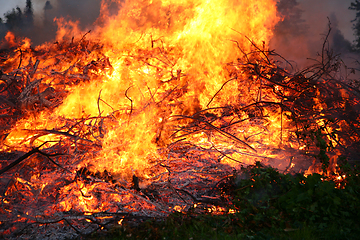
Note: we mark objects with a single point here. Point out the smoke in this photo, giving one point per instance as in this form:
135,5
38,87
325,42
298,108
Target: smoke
338,43
84,11
43,29
299,37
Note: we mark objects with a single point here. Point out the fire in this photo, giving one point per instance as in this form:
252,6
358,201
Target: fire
159,88
147,45
10,39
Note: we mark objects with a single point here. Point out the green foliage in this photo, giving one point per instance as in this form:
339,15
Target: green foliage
295,201
268,205
314,201
318,135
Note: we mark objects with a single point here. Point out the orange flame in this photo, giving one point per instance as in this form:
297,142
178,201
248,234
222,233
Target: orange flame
150,45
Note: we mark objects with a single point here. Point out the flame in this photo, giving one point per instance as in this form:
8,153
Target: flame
147,45
10,38
10,41
120,97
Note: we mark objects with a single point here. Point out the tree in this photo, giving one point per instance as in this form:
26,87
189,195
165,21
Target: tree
356,26
29,14
19,22
47,6
292,22
14,19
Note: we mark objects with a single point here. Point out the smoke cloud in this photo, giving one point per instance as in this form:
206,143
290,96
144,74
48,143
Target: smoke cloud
85,12
300,35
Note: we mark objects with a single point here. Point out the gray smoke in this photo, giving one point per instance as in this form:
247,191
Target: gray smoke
44,29
299,37
84,11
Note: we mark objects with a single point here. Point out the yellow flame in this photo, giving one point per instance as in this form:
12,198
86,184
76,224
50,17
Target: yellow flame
149,45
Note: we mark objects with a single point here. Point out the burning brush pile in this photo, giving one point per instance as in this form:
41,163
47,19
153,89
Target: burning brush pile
148,113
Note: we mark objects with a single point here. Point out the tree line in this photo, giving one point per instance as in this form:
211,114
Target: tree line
21,21
356,23
17,20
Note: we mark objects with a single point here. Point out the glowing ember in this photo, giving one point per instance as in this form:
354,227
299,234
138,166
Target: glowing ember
168,63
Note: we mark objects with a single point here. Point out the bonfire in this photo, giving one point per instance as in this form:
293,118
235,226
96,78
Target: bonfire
147,113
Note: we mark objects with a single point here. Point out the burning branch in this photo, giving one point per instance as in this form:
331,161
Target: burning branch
20,159
106,161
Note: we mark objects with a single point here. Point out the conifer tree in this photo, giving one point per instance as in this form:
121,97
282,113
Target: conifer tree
356,23
14,19
29,14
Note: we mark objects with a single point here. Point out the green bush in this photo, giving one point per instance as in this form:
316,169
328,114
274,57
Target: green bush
270,199
267,205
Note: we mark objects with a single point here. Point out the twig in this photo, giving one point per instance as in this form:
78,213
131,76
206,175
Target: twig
255,45
51,155
170,185
22,158
98,103
83,37
222,86
67,134
76,230
131,101
220,131
35,68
